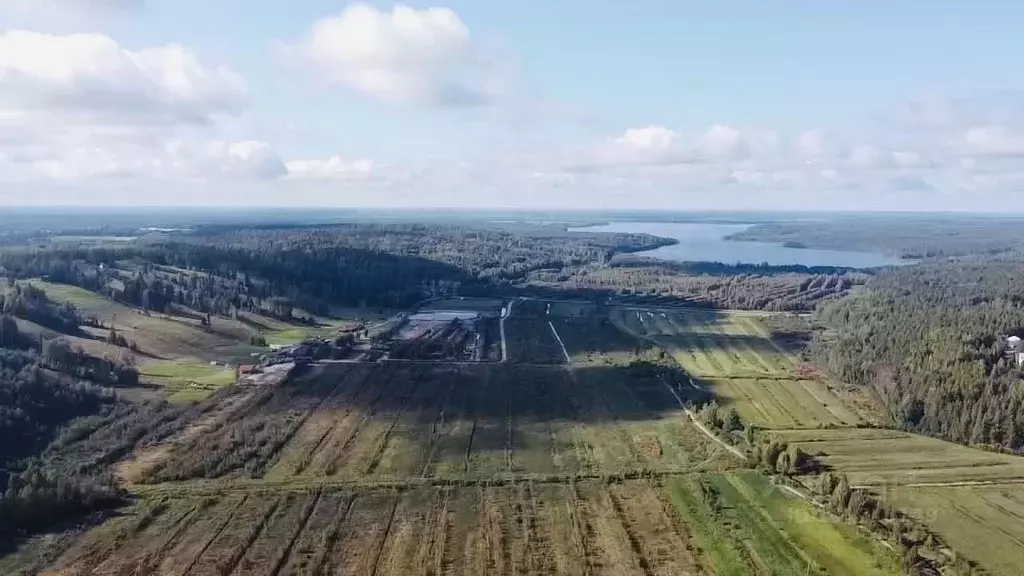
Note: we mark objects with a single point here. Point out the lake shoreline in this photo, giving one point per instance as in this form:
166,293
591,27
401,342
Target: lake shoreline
712,242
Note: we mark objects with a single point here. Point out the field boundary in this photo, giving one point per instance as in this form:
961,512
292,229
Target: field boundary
560,343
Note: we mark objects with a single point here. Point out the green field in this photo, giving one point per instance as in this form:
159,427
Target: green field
175,351
972,498
733,355
746,526
533,466
187,381
985,523
874,457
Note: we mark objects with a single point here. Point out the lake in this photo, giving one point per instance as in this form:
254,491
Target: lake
705,242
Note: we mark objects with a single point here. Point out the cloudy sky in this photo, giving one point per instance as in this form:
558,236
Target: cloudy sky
676,104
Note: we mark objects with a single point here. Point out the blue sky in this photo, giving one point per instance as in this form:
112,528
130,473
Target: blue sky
674,104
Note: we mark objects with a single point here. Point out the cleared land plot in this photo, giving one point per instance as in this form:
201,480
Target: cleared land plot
709,343
572,309
732,355
530,340
187,381
431,469
783,402
743,525
984,523
522,528
487,307
181,335
352,423
875,457
596,339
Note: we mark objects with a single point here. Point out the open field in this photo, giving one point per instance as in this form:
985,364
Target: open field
733,355
531,341
385,423
523,528
187,381
594,339
973,499
711,343
744,525
985,523
874,457
487,307
407,468
175,351
633,527
590,467
164,336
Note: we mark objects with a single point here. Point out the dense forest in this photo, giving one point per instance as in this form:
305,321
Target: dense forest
912,237
275,270
711,284
931,341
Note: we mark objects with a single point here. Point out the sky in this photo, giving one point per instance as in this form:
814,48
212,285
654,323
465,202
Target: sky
657,104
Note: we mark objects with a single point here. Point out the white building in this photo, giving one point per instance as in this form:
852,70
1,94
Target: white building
1013,343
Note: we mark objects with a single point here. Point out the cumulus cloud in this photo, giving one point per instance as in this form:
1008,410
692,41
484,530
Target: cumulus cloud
655,138
403,55
334,168
658,146
994,140
722,143
90,78
81,106
253,158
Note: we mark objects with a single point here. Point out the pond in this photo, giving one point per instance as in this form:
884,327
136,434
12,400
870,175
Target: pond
706,242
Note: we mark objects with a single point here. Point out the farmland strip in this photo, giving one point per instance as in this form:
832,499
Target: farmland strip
330,539
346,399
286,553
382,443
437,426
634,541
216,534
368,412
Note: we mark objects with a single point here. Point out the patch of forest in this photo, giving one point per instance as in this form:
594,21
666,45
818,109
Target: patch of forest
931,341
711,285
911,237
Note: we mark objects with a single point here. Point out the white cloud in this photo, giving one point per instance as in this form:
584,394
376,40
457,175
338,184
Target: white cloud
334,168
816,145
253,158
657,138
404,55
722,143
91,79
661,146
82,107
910,159
994,140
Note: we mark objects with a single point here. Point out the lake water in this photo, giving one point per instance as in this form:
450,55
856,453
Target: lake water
702,242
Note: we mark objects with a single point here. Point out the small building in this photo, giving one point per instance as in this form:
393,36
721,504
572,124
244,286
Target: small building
245,369
1020,358
1013,343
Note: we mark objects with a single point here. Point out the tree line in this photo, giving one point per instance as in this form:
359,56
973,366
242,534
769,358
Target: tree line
931,340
